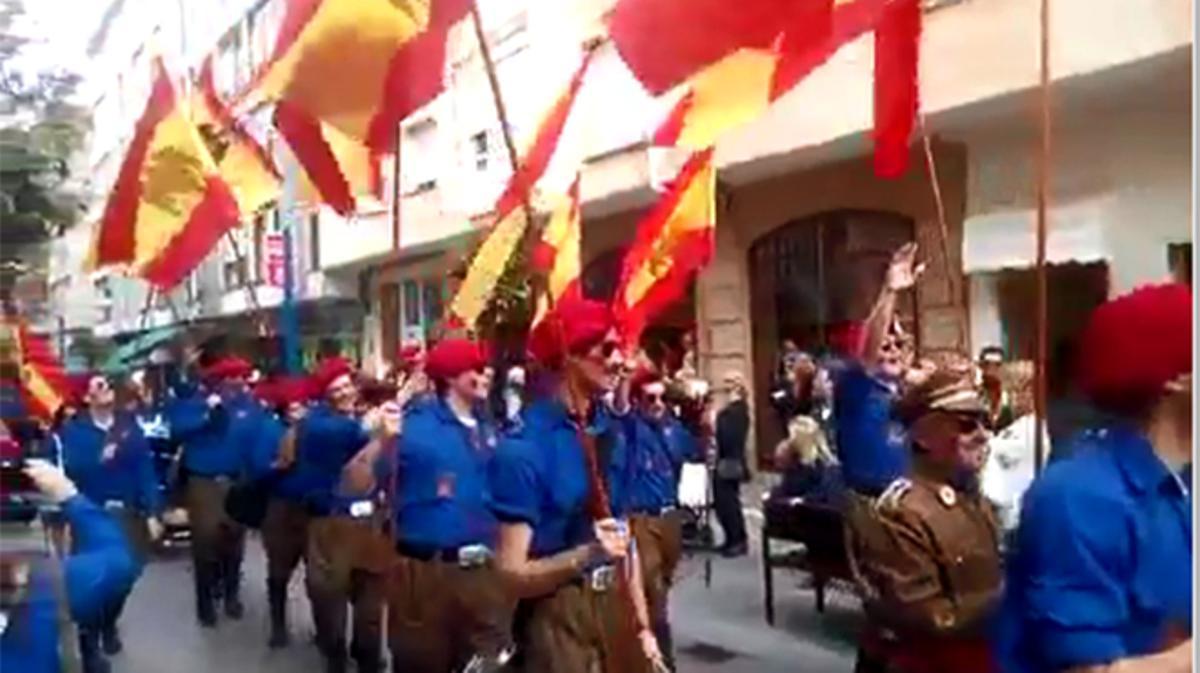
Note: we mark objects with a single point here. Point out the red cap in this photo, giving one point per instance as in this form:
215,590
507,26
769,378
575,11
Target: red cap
576,324
846,338
1134,345
451,357
78,385
328,371
283,391
642,377
228,367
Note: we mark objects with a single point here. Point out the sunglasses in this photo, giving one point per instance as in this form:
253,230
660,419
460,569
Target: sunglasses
652,397
99,386
968,423
609,347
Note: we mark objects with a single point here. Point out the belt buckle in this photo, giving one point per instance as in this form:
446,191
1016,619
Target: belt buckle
472,556
361,509
602,579
113,505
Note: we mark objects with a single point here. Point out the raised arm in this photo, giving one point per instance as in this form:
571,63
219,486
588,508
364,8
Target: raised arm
902,273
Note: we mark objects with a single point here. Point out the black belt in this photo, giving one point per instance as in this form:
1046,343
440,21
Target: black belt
453,555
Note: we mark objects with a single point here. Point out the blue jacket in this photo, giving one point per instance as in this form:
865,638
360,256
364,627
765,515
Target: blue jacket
100,570
326,441
656,452
540,476
442,495
128,478
218,441
871,445
1102,565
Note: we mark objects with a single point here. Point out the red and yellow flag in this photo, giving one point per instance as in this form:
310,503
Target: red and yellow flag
241,161
169,205
558,254
671,244
497,249
343,75
43,384
740,86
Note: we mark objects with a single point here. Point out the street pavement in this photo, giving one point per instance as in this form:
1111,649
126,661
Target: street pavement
719,628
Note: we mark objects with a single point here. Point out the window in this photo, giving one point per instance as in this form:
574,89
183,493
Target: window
418,157
412,304
104,298
433,302
233,272
314,241
1179,258
479,148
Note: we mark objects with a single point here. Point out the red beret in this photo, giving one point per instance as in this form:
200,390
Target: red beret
451,357
228,367
576,324
328,371
283,391
644,376
1134,345
846,338
78,385
409,354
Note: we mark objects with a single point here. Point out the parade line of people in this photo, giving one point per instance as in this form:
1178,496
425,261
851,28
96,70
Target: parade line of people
545,537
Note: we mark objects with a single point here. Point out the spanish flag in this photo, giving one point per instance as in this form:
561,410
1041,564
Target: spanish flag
671,244
739,87
558,253
241,161
43,384
169,205
497,249
343,75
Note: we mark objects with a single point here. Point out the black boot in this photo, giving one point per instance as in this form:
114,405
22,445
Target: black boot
367,662
335,660
206,611
231,580
277,603
92,659
110,639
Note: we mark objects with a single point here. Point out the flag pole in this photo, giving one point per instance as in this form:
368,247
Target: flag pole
501,110
247,283
952,287
1043,198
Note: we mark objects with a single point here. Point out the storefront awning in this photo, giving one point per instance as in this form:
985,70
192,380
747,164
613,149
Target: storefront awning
135,351
1007,239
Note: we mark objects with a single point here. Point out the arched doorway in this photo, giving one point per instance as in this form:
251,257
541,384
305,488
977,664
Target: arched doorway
808,277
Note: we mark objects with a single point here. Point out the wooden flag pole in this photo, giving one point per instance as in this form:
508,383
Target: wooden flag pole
1043,198
960,314
247,284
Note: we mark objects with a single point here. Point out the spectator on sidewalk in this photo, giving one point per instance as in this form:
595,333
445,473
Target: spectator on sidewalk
732,428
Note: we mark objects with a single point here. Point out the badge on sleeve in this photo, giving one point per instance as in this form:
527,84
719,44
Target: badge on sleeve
947,496
445,485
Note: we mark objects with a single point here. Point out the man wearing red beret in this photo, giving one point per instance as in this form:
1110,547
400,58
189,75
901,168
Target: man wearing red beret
559,551
285,525
347,556
1101,575
216,426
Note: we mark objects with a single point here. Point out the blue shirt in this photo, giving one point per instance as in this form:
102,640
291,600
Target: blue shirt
218,441
128,478
871,446
1102,566
99,571
656,450
540,476
442,493
326,441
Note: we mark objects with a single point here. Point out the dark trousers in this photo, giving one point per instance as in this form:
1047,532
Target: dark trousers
284,536
727,501
218,542
346,562
441,615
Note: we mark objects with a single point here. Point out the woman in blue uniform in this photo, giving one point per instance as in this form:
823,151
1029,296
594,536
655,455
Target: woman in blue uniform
446,606
106,454
1100,578
558,550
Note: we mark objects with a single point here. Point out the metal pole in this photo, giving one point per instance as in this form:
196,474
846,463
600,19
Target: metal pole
1043,198
241,260
396,193
289,320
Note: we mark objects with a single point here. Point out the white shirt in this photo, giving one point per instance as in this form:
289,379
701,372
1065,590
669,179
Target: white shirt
1010,468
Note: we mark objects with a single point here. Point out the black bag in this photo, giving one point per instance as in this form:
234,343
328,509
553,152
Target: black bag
246,501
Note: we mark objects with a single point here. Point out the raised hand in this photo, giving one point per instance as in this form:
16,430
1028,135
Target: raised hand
903,271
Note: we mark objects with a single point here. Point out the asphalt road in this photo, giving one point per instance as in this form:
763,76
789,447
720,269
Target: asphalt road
719,628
